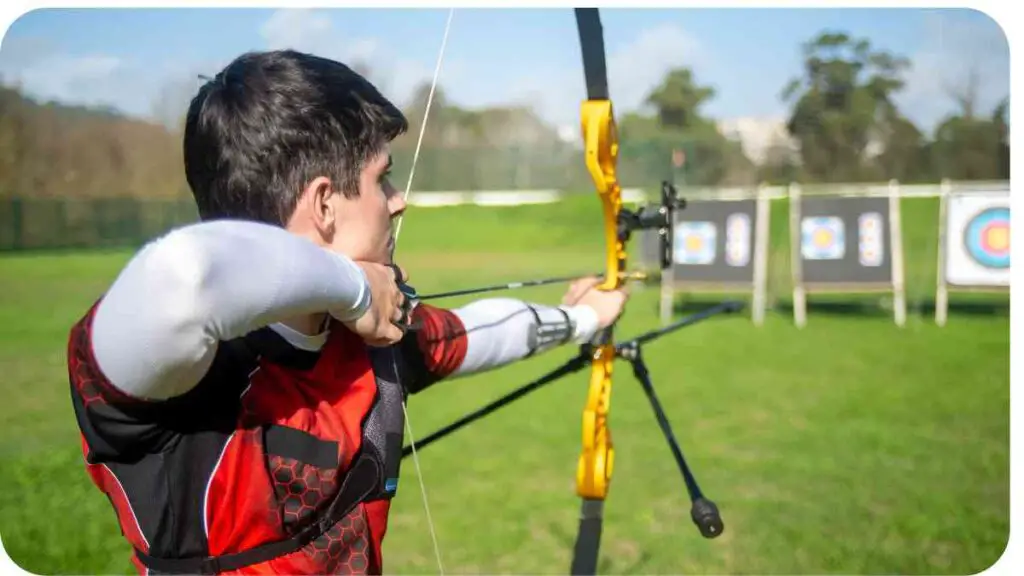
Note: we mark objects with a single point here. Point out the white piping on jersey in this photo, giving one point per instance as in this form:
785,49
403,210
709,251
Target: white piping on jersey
251,374
209,481
128,502
206,492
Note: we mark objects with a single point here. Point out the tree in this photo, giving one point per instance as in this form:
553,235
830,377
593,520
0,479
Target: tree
843,106
969,146
905,153
678,99
1002,127
972,148
677,124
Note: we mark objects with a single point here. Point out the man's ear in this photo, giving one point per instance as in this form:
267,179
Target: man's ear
323,214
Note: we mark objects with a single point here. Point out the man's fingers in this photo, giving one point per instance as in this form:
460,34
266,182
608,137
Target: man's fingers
587,283
395,333
387,335
579,288
400,275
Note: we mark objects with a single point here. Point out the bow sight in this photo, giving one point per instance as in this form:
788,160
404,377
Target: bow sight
660,217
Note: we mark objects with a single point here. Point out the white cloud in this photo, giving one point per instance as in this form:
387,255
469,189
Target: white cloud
302,29
314,31
640,65
956,48
633,68
86,79
40,71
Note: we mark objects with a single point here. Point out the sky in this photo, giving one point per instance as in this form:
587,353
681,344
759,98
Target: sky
146,61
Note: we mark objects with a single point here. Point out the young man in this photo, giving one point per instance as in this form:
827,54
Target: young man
239,387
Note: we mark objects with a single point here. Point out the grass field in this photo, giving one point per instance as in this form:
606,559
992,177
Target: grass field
851,446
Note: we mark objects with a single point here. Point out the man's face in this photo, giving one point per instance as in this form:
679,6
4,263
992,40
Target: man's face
363,224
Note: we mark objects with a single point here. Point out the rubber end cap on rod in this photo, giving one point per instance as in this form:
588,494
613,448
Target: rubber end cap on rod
705,515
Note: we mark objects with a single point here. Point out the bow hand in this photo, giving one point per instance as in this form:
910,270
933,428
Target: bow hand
607,305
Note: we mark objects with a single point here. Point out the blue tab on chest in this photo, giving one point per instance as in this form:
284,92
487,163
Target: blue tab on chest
391,484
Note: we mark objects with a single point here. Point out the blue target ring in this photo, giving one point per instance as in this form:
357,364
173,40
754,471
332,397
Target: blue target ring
987,238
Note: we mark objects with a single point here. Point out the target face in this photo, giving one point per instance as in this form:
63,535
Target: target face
987,238
695,243
737,240
822,238
870,247
977,239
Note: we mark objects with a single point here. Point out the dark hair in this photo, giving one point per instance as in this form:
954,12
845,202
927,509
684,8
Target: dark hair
270,122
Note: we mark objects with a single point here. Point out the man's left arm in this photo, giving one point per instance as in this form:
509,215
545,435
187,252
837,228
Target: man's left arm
487,334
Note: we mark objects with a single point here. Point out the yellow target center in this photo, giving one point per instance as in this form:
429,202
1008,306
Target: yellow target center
822,237
998,238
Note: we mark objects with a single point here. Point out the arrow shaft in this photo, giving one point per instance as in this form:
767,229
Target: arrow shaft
523,284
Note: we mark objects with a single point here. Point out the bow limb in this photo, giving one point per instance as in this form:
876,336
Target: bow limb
600,137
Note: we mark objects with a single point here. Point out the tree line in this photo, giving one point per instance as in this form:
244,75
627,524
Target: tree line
843,126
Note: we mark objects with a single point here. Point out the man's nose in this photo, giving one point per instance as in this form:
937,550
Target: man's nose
397,204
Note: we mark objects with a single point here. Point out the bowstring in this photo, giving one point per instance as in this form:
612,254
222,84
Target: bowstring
423,126
394,245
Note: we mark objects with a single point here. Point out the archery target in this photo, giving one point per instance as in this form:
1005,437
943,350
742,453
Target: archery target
869,236
987,238
737,239
978,240
822,238
695,243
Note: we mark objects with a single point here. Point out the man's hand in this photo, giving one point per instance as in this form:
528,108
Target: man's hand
607,304
381,324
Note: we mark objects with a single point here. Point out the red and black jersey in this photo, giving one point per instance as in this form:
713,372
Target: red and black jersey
260,448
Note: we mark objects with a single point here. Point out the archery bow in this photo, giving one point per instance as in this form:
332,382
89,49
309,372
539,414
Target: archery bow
596,461
597,457
601,150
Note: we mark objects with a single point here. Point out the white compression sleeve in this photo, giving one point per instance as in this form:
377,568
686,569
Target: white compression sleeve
503,330
156,330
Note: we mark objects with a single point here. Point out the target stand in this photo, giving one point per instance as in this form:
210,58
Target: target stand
974,241
846,243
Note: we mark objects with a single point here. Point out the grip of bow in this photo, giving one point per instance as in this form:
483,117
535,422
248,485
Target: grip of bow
601,148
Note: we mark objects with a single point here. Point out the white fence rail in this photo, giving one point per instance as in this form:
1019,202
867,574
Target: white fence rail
547,196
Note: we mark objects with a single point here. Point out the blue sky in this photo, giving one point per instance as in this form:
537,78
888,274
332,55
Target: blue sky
142,60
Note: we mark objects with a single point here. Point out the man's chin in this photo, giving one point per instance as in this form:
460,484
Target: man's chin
382,257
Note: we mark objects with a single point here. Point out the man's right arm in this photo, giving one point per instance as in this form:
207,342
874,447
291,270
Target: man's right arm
156,331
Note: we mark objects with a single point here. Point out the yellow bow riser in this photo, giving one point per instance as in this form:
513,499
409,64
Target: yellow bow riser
601,147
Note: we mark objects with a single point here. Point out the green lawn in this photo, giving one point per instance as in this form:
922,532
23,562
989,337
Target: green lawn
851,446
